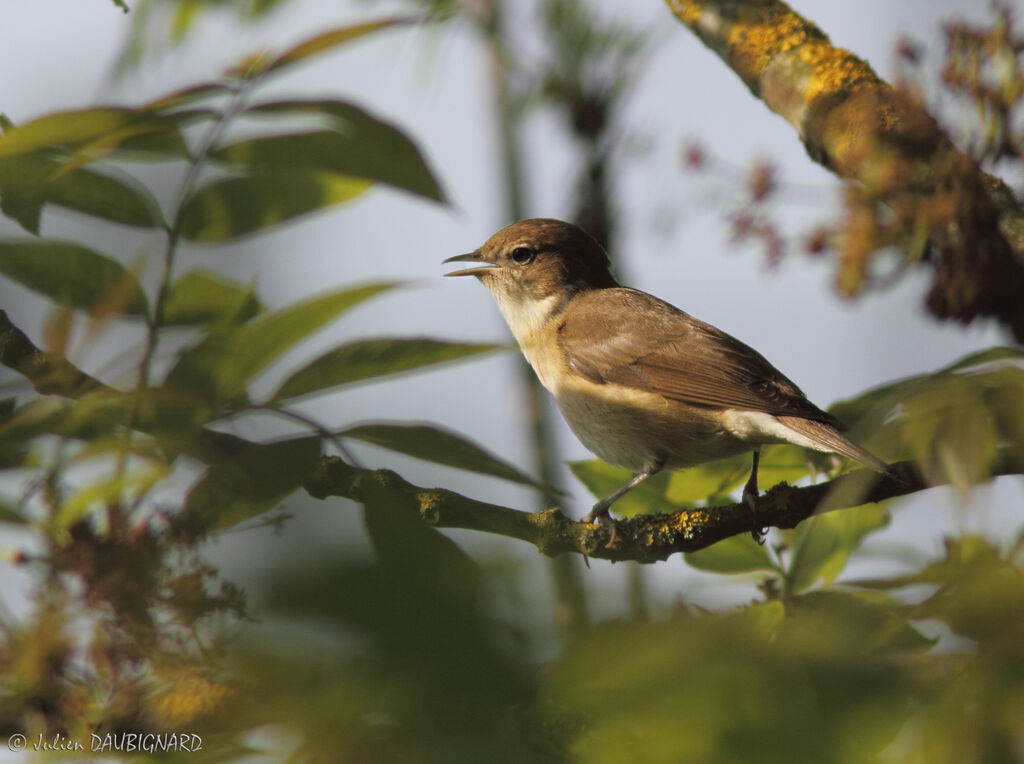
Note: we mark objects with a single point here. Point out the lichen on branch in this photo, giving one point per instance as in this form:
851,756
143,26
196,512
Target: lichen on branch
864,130
642,538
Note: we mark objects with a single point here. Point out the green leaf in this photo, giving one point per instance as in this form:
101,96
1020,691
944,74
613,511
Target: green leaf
24,209
164,146
822,544
69,273
293,174
979,594
737,554
1005,398
601,479
120,201
332,38
439,446
74,128
97,415
227,209
250,481
963,555
982,357
38,179
165,142
948,429
117,447
711,482
202,297
68,127
45,414
870,621
357,144
166,424
188,96
950,421
221,366
708,482
781,463
367,359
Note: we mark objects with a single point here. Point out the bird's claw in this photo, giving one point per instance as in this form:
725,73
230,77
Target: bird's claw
603,518
756,533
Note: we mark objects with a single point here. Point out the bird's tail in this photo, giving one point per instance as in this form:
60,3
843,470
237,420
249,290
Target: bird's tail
825,437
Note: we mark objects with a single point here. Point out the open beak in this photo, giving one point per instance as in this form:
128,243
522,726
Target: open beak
481,268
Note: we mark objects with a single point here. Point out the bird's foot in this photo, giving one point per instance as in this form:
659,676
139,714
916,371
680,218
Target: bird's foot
750,499
600,515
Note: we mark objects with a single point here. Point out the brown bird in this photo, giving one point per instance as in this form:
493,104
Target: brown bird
642,384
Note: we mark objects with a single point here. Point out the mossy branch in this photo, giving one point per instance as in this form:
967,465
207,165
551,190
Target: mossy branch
644,538
862,129
49,373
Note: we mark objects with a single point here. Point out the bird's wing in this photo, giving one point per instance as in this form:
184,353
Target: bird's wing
673,354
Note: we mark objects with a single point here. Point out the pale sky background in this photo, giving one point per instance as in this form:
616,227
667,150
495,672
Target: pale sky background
57,54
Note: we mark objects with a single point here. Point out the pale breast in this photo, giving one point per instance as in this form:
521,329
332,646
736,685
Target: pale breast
635,429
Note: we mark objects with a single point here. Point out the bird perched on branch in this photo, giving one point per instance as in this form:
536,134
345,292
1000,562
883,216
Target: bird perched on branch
642,384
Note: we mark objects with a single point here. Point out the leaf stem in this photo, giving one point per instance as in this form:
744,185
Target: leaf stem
155,321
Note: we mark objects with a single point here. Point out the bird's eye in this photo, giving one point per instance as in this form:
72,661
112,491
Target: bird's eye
522,255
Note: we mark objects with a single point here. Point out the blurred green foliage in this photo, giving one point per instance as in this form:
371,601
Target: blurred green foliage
408,657
159,23
125,628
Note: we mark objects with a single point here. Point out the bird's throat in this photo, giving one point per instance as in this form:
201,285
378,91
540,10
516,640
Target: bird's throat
527,317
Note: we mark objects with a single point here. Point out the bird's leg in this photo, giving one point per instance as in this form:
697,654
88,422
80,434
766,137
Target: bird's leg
750,498
599,512
601,508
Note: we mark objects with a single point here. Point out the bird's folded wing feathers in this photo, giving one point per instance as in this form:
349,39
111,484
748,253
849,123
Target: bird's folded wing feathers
675,355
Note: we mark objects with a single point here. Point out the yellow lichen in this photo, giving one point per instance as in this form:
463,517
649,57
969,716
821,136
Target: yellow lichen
687,11
430,502
683,523
833,70
760,34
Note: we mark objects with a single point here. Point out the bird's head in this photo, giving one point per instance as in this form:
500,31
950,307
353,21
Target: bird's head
536,260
